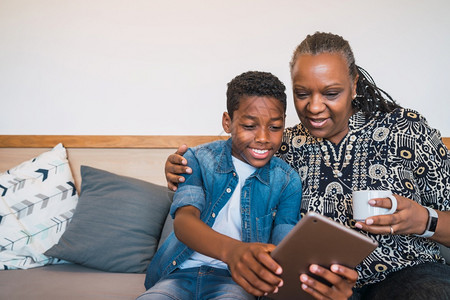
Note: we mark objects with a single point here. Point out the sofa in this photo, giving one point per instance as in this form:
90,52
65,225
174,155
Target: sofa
107,208
110,200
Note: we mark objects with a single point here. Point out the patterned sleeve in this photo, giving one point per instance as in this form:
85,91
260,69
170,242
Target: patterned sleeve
430,159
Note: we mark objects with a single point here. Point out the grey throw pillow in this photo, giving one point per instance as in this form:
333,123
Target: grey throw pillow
116,225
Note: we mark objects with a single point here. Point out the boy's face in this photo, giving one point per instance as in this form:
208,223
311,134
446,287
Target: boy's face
256,129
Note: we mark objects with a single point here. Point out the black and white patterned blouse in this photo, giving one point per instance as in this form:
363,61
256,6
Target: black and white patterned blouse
396,151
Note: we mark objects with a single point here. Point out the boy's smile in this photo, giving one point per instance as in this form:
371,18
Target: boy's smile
256,129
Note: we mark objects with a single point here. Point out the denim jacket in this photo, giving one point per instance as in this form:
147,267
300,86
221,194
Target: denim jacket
270,201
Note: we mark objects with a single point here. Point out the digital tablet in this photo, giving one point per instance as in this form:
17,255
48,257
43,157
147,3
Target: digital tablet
317,240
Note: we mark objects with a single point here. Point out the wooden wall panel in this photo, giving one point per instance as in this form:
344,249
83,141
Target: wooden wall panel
104,141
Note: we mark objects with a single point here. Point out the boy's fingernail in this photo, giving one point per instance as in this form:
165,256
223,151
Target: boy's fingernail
279,271
188,170
281,283
372,202
334,268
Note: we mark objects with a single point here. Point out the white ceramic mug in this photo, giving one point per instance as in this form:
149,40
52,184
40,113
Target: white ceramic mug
361,208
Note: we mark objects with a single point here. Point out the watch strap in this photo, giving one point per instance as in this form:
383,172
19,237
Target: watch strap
431,224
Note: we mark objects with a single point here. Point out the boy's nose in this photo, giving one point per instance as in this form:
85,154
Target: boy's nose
262,135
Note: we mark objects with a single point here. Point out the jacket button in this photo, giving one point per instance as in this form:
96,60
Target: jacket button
174,263
228,190
234,174
213,215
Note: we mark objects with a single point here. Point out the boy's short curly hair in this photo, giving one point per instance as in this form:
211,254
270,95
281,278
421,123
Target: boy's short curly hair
254,83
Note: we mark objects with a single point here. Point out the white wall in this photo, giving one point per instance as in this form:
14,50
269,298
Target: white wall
121,67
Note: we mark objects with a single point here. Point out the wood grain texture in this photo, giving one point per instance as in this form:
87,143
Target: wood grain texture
446,141
105,141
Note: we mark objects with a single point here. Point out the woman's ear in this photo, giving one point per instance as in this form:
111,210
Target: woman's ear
355,83
226,122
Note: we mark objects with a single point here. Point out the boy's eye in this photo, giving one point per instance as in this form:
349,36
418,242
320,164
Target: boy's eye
276,128
248,127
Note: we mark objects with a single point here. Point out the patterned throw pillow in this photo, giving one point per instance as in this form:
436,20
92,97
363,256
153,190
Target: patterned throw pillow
37,201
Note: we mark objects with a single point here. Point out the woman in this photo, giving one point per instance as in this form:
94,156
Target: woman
353,136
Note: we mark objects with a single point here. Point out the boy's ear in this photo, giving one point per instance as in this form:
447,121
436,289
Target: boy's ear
226,122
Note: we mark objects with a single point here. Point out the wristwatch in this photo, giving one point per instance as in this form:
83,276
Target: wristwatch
431,224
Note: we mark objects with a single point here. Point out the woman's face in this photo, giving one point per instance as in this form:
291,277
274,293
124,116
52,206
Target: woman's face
323,93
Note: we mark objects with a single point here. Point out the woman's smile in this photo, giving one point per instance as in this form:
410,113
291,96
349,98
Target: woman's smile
318,123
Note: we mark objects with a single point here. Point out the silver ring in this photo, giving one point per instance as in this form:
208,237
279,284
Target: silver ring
392,230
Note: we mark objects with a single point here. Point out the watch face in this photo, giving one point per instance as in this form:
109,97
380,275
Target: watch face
433,224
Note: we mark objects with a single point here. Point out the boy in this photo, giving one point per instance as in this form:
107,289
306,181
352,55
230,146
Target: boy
237,200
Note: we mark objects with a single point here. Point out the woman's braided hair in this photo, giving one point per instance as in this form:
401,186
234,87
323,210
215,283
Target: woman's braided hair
370,99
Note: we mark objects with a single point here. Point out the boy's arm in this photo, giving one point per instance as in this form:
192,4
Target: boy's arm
288,213
250,264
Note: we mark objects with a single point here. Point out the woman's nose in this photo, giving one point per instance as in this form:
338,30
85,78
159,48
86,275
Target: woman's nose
316,104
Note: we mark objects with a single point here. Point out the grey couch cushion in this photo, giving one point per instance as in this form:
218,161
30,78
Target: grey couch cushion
116,225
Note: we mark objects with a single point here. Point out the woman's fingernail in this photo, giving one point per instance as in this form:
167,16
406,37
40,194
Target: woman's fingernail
188,170
369,221
281,283
358,225
334,268
372,202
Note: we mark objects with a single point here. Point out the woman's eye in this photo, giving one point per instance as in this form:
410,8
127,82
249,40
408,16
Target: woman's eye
332,95
301,95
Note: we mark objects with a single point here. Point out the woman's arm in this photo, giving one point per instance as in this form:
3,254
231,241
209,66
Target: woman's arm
431,171
175,165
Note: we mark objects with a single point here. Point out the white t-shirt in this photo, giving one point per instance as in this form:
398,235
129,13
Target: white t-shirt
228,220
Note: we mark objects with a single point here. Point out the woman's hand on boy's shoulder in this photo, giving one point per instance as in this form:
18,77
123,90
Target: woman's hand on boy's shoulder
175,165
253,268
